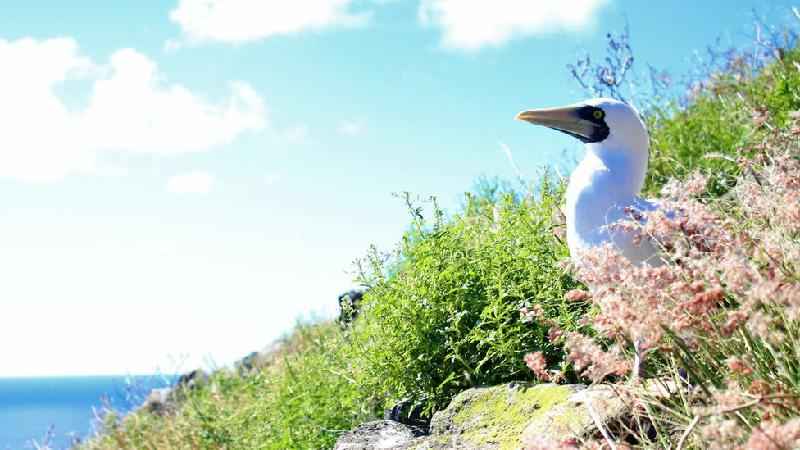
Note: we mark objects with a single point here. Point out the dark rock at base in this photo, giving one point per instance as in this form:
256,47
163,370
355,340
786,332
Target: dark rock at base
258,360
409,413
193,379
158,401
164,401
247,363
380,434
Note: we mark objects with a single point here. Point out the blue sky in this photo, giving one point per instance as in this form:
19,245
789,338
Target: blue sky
181,180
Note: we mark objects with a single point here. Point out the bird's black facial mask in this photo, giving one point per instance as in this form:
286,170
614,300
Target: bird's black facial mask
586,123
597,117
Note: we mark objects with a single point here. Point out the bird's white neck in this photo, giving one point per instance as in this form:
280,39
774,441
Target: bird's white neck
605,181
623,170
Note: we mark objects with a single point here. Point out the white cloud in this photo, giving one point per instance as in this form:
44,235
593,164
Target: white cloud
130,107
197,182
351,128
156,117
238,21
473,24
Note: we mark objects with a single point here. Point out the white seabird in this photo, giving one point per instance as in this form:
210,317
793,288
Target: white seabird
604,188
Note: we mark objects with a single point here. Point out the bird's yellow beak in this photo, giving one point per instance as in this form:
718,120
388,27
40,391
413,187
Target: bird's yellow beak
549,116
572,120
583,122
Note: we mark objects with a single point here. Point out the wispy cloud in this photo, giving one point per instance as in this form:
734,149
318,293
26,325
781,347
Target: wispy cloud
130,108
351,127
196,182
239,21
474,24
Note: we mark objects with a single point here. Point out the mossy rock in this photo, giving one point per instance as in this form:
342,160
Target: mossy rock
515,416
493,417
573,419
510,417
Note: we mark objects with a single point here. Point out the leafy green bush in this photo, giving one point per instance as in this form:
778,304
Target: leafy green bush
728,117
447,317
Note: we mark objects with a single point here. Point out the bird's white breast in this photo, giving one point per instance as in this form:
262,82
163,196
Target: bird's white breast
599,191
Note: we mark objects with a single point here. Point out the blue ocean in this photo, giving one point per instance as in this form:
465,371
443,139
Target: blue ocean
59,410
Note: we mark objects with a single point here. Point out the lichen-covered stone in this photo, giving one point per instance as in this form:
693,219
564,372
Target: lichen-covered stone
506,417
573,418
492,418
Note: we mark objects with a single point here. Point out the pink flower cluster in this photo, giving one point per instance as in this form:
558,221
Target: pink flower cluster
714,263
770,435
730,287
538,365
594,362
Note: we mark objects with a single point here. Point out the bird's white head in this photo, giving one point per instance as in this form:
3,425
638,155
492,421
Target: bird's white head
611,129
626,131
610,176
599,122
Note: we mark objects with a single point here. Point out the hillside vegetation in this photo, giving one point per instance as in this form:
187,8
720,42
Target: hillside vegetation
484,297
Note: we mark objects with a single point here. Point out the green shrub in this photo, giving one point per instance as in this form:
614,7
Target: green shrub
446,316
729,117
305,399
311,397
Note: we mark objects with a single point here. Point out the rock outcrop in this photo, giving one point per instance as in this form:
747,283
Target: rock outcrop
165,400
263,358
510,416
158,401
409,413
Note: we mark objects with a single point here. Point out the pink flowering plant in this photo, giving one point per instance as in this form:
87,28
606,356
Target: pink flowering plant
719,321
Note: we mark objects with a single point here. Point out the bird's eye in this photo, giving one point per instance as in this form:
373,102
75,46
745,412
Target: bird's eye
598,114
